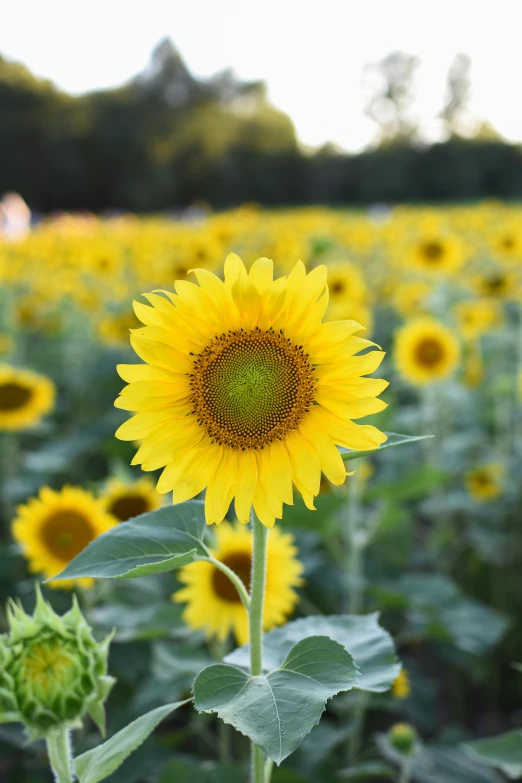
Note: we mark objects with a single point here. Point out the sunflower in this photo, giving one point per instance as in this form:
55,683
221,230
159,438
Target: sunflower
114,329
477,317
346,287
485,483
426,351
125,499
246,392
436,254
25,398
212,602
401,687
496,283
56,526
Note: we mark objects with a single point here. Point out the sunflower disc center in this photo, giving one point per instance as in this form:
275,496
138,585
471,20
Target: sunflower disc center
66,533
241,564
13,396
249,388
430,352
127,506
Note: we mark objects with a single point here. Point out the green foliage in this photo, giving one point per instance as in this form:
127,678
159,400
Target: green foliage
99,763
152,543
370,645
277,710
503,752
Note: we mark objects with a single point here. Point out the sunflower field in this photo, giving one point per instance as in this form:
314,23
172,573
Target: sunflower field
260,497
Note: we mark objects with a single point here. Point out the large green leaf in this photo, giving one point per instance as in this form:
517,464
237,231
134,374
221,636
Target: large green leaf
277,710
503,752
149,544
369,644
393,440
99,763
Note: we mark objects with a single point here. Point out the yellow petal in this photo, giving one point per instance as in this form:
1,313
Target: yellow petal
246,485
305,462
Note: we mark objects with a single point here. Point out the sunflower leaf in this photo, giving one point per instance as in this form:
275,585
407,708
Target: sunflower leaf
278,710
503,752
152,543
393,440
102,761
361,635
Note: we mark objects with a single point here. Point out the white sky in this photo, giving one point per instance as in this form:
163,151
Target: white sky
310,52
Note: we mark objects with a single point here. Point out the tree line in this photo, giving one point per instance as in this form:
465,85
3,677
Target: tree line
167,140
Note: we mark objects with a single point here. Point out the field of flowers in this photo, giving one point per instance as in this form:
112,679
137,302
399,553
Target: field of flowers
396,593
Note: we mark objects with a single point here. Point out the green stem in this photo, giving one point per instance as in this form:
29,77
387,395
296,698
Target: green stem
234,578
60,756
268,770
257,600
406,770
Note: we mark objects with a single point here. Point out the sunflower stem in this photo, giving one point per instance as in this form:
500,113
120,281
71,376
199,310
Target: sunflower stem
355,552
60,755
257,600
234,578
406,770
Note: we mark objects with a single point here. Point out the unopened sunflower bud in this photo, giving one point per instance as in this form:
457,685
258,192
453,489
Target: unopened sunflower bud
402,738
52,671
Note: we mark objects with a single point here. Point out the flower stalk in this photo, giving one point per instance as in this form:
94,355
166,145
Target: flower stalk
60,756
257,598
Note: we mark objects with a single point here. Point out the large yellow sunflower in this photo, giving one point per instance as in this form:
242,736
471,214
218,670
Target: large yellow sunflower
25,398
213,603
246,392
127,499
56,526
426,351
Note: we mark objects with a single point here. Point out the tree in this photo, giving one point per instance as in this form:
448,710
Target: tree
389,85
455,113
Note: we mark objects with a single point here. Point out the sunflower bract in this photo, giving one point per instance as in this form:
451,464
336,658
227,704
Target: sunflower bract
245,391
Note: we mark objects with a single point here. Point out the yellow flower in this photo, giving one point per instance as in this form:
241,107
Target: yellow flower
246,392
25,398
477,317
115,328
401,688
124,500
213,603
426,351
485,483
507,244
56,526
409,297
436,254
497,283
346,288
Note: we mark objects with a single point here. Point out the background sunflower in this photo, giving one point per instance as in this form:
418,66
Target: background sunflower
212,602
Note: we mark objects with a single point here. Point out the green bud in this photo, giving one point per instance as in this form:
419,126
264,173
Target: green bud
402,737
52,671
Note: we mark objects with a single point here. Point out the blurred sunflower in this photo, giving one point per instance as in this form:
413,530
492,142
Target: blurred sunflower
497,283
409,297
401,687
436,254
476,317
246,392
507,244
346,288
213,603
56,526
426,351
114,329
485,483
25,398
126,499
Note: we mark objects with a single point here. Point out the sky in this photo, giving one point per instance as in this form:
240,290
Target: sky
311,53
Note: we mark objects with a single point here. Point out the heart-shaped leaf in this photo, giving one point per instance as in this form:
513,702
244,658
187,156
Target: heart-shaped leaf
149,544
99,763
393,440
277,710
370,645
503,752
